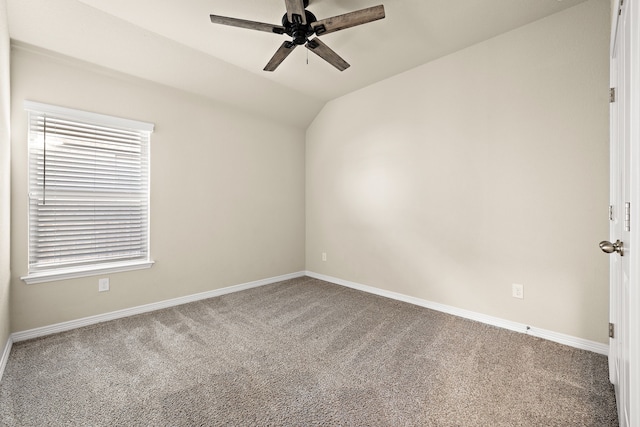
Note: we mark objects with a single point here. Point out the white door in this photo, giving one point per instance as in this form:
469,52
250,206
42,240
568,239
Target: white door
620,210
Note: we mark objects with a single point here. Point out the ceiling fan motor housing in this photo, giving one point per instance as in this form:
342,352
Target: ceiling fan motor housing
297,30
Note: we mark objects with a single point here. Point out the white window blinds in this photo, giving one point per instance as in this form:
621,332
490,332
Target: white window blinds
88,189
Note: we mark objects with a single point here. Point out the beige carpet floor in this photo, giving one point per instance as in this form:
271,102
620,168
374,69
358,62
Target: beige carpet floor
302,353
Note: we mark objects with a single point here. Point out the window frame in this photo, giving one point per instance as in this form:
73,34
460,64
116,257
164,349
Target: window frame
101,267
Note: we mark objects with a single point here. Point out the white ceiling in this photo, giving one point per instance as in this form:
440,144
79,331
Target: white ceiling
173,42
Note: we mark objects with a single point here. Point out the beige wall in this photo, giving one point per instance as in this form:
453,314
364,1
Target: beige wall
481,169
448,183
5,170
227,192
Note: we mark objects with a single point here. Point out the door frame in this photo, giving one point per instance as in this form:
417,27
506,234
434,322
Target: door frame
634,288
632,94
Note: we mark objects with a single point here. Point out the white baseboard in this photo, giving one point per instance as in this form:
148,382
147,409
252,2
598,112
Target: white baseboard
4,358
479,317
92,320
569,340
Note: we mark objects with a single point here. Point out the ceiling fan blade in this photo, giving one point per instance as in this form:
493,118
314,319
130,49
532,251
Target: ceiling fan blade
295,11
280,55
351,19
243,23
323,51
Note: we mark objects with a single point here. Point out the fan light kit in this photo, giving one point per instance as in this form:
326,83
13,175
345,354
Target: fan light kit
300,24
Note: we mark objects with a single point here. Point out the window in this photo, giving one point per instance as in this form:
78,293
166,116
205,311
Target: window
88,193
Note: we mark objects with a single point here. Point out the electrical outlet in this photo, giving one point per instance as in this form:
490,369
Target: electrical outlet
103,284
324,256
517,290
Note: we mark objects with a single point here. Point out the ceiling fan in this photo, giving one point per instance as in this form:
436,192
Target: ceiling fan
301,24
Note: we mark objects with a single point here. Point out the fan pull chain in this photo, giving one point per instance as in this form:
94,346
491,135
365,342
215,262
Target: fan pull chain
307,56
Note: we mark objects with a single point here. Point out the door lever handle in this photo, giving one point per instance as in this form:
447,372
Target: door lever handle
609,248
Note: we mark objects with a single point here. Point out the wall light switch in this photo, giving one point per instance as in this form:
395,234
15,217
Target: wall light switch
103,284
324,256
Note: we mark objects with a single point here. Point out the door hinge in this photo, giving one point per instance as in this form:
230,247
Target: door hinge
610,212
611,330
627,216
612,94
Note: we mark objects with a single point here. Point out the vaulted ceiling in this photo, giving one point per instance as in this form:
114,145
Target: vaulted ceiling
173,42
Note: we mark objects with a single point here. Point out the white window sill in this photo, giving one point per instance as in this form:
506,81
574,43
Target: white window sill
92,270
